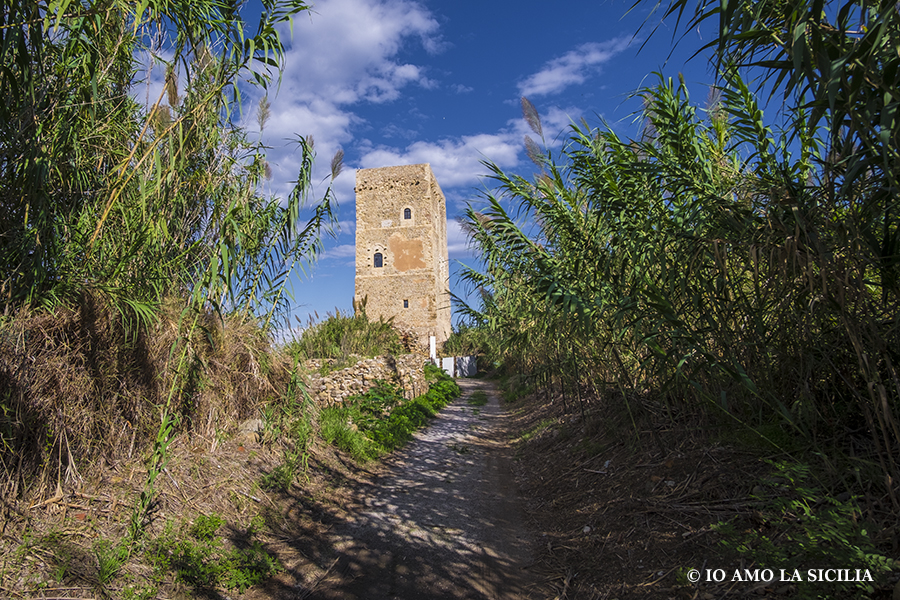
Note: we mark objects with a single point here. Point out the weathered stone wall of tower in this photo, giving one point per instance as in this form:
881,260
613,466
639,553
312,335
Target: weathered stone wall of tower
401,218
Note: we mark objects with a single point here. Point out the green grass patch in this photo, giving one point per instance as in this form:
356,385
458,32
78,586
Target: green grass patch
195,554
280,478
110,559
806,527
539,428
337,428
478,398
341,335
382,420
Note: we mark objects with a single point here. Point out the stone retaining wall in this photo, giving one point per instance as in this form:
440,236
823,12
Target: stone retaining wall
335,387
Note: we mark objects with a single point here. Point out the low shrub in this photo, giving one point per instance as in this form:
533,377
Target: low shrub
291,420
342,334
280,478
382,420
514,387
196,556
805,528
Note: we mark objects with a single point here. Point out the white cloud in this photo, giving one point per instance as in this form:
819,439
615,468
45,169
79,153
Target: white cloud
457,162
341,55
347,226
572,68
457,240
344,51
345,54
340,251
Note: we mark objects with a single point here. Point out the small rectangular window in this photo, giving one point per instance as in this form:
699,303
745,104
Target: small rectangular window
406,304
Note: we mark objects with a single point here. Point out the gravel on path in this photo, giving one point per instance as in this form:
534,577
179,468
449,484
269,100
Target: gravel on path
442,520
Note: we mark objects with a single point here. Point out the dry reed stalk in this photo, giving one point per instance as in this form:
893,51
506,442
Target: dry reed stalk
81,390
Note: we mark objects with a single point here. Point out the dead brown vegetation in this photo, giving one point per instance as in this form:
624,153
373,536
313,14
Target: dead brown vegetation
627,515
79,386
52,547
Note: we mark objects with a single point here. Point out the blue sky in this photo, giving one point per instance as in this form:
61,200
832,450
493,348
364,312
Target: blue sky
396,82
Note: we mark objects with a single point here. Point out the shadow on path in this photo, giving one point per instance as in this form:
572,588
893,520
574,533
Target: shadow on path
443,520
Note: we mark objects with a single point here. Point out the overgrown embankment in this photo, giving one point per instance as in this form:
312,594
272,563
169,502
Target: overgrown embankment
725,278
630,515
81,389
173,457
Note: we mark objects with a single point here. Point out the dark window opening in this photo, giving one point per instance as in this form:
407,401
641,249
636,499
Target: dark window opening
406,304
379,260
407,213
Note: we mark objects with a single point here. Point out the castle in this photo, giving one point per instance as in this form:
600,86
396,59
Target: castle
402,267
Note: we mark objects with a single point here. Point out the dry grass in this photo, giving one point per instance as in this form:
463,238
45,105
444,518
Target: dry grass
52,545
81,408
82,401
625,515
79,390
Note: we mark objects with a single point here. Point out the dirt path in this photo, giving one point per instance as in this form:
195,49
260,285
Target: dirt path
442,520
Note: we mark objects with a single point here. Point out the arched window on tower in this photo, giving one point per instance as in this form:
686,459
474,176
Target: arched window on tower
379,260
407,213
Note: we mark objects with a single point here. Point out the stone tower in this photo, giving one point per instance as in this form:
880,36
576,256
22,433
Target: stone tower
401,249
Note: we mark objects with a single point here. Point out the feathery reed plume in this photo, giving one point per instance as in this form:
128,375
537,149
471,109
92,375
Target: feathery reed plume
263,112
530,113
172,86
533,151
337,164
